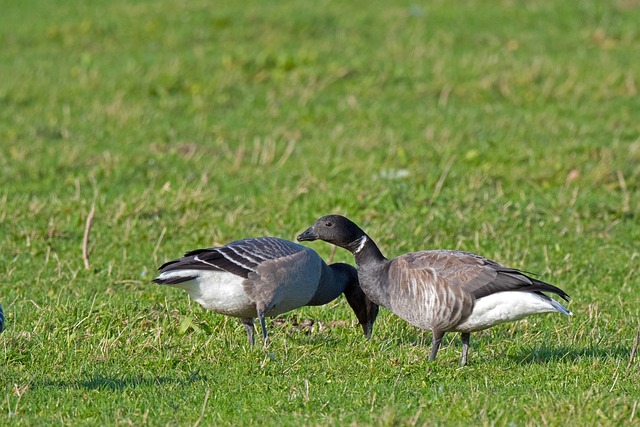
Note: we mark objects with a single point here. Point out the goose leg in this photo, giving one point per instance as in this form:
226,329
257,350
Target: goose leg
435,344
248,326
263,325
465,347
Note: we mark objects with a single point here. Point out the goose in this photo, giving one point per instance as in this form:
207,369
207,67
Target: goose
264,277
1,319
439,290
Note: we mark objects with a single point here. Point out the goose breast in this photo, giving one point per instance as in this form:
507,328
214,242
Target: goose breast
423,297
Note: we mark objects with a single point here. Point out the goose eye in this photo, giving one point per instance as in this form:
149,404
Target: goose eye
328,224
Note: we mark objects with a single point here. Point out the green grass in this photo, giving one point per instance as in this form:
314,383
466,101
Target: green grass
509,128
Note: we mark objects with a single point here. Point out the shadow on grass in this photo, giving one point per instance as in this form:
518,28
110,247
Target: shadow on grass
101,382
546,354
524,355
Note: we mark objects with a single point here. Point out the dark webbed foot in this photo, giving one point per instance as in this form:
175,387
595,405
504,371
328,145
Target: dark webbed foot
465,347
435,344
248,326
263,325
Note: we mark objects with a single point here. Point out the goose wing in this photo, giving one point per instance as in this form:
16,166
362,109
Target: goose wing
425,298
241,257
478,275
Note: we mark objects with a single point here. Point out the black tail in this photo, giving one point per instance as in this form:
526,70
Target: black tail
519,281
539,285
173,280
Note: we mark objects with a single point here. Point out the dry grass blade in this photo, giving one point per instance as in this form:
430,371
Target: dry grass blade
443,177
85,240
157,246
626,204
332,254
204,406
287,153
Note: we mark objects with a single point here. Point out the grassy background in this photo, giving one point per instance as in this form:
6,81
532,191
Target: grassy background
507,128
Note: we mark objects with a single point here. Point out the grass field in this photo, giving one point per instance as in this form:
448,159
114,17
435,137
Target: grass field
507,128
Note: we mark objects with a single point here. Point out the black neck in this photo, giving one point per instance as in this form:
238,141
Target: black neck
365,251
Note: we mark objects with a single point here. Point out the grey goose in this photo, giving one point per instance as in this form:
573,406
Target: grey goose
439,290
264,277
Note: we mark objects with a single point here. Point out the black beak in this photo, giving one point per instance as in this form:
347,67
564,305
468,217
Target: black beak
308,235
365,310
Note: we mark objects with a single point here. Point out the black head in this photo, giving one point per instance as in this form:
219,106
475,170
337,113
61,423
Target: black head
366,310
334,229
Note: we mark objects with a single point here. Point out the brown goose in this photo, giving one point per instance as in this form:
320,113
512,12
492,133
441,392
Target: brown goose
440,290
265,276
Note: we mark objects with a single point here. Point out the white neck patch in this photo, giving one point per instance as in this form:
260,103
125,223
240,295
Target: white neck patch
363,240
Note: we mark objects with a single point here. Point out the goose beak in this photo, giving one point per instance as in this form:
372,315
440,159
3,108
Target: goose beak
368,330
366,310
308,235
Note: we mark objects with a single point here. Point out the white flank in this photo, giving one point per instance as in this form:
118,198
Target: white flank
217,291
508,307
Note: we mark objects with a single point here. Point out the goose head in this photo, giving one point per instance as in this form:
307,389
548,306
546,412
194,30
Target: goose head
337,230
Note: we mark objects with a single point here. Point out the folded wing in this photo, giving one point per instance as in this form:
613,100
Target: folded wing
478,275
241,257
